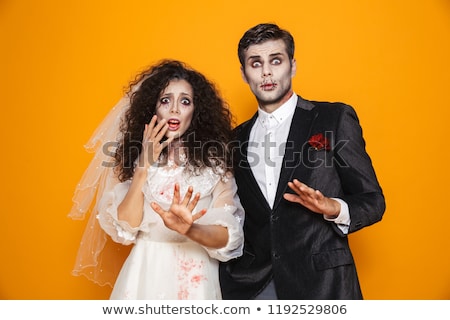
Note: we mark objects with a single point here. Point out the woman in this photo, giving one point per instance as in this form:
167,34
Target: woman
173,142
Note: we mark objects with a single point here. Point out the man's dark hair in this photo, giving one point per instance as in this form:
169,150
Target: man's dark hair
262,33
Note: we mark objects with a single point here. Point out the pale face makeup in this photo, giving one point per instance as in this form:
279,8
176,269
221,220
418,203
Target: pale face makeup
176,106
269,71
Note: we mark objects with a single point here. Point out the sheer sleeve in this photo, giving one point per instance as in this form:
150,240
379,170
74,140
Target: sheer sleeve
120,231
226,210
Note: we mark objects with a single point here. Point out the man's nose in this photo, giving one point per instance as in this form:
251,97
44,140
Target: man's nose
266,71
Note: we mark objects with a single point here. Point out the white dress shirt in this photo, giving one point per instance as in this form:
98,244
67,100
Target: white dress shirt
266,149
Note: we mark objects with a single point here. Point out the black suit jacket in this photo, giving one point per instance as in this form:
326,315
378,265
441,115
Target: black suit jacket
307,256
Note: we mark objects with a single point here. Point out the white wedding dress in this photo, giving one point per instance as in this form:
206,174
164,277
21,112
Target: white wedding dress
164,264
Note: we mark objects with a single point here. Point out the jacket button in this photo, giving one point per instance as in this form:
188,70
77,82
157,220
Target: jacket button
275,255
274,218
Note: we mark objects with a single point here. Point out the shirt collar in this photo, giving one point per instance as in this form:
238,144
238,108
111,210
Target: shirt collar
269,120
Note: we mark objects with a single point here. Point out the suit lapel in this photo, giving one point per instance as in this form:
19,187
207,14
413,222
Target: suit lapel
299,133
246,173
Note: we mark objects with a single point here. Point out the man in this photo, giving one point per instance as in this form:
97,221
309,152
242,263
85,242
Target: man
304,179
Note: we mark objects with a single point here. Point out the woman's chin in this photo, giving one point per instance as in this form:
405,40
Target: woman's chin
173,134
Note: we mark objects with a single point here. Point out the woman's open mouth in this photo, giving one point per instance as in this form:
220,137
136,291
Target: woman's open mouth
174,124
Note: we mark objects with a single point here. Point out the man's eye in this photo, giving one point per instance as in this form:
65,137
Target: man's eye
256,64
276,61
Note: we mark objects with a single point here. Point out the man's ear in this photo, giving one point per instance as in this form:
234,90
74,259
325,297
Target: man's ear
293,68
243,75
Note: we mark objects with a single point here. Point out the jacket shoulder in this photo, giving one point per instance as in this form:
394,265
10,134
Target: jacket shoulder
334,109
325,106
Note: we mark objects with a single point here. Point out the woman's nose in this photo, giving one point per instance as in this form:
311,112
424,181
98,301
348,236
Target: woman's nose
175,108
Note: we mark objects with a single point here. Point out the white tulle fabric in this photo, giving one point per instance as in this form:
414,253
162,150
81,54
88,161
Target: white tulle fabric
99,258
164,264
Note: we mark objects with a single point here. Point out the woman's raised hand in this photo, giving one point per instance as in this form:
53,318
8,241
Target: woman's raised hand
179,217
151,142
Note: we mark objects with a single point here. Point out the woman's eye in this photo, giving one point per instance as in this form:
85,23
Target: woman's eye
186,102
164,102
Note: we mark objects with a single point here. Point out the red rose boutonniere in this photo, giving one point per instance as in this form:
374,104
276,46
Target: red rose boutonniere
319,142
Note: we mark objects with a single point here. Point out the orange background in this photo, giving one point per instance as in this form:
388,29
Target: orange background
63,65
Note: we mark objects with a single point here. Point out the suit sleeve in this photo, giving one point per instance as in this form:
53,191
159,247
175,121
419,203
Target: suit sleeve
360,186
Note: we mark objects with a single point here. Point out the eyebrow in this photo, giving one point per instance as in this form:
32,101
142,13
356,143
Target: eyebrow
270,55
171,94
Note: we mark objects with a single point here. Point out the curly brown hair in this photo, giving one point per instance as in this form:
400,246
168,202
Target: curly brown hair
208,135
